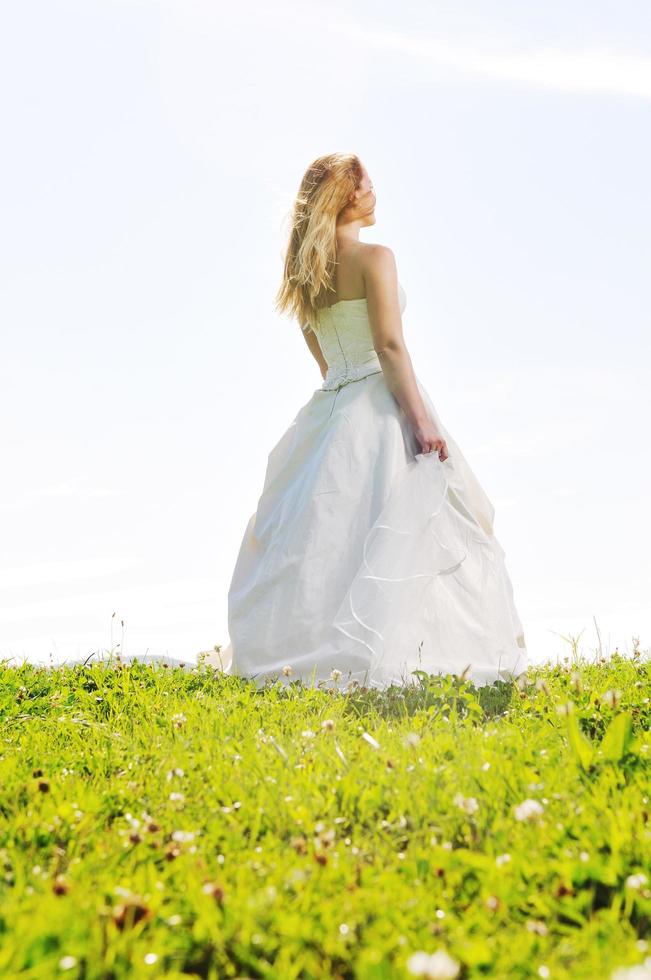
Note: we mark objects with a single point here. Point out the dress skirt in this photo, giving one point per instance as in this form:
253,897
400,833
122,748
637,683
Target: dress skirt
368,557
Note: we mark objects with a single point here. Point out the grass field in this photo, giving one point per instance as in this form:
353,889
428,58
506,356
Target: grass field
170,822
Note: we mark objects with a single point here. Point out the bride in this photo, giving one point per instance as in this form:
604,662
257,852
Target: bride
371,553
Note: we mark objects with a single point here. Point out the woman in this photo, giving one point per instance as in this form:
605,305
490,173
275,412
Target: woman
371,553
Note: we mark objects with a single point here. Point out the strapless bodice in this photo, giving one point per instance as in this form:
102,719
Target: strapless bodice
346,341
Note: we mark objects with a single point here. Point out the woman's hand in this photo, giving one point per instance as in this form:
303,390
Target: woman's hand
430,439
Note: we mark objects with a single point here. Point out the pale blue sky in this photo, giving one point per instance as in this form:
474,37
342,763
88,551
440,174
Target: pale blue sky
151,153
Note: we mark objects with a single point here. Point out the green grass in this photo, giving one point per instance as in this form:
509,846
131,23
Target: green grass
168,822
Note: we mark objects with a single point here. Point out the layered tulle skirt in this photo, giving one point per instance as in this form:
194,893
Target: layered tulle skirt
369,557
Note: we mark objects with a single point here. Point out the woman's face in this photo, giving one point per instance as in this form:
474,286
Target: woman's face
366,197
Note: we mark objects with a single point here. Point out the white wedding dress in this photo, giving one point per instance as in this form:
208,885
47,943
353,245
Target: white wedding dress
364,554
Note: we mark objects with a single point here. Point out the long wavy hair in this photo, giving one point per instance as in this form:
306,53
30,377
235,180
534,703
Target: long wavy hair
311,255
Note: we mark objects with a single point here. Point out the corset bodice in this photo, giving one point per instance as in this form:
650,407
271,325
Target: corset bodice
346,341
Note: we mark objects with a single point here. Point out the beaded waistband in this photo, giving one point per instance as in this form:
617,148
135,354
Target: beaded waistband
352,374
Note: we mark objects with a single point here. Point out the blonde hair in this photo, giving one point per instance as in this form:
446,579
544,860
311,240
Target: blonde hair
311,254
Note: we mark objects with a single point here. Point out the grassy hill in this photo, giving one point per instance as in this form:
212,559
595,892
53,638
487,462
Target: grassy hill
163,821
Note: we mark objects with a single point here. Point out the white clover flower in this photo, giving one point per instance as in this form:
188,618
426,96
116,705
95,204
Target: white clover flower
537,926
636,881
433,966
565,708
468,804
641,971
528,810
183,835
502,859
612,698
418,963
335,675
287,670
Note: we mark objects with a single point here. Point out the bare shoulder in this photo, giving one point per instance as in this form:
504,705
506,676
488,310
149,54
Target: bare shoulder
378,263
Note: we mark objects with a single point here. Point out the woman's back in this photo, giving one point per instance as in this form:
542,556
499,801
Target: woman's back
344,334
349,275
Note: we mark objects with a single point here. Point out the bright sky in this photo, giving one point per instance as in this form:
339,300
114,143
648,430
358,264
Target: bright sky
151,153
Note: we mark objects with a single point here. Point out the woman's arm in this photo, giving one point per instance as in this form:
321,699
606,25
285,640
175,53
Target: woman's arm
313,344
381,281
